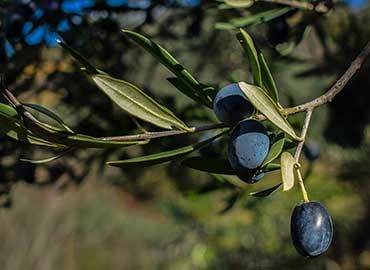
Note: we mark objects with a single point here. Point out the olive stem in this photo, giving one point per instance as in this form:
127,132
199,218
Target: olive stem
321,7
301,183
298,151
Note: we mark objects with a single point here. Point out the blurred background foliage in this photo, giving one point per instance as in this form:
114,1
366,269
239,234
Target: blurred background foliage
77,213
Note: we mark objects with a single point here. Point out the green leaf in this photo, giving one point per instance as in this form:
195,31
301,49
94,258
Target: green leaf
13,127
271,167
247,43
90,68
265,192
255,19
275,149
235,181
129,97
162,157
50,114
185,89
287,163
46,160
134,101
210,165
267,79
171,63
263,103
38,133
239,3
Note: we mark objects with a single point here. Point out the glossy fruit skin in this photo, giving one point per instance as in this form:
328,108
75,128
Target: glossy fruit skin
311,229
231,105
248,148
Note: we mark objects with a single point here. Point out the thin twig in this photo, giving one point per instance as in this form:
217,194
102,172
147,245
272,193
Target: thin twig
159,134
303,135
333,91
320,7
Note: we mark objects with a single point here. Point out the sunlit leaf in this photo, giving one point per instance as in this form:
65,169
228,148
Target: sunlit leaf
275,149
265,192
255,19
134,101
247,43
263,103
172,64
267,79
239,3
162,157
287,163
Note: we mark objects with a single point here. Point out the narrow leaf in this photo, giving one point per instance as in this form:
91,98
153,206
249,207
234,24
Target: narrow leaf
162,157
235,181
76,55
14,128
46,160
267,79
263,103
134,101
247,43
38,133
50,114
239,3
265,192
259,18
287,163
185,89
275,149
170,62
271,167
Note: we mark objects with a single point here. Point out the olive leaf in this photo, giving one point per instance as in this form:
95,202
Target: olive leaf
265,192
239,3
37,132
235,181
162,157
13,127
247,43
263,103
172,64
129,97
46,160
134,101
267,79
275,149
287,163
255,19
50,114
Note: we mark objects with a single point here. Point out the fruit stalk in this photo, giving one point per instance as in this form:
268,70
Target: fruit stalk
298,153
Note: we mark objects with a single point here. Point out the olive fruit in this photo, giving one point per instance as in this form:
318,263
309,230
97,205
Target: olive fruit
231,105
248,148
311,229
